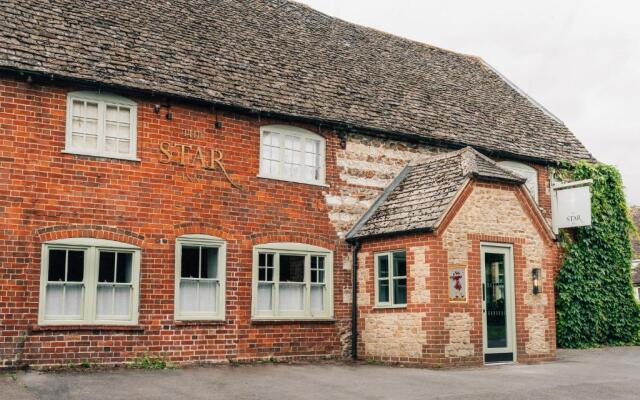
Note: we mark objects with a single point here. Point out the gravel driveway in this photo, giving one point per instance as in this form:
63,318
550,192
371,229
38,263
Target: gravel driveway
612,373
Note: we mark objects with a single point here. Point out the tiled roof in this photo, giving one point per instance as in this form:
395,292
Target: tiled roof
422,193
286,59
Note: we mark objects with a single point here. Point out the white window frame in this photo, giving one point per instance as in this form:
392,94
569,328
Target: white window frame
287,248
103,100
527,172
391,278
203,241
303,135
91,248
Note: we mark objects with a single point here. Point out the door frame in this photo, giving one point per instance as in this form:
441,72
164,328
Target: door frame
509,268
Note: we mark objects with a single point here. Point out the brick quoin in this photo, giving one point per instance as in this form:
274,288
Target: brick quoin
46,194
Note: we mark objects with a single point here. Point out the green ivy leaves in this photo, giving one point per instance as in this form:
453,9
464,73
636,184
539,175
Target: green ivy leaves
594,299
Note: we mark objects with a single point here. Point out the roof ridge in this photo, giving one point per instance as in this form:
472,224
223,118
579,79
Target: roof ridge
389,34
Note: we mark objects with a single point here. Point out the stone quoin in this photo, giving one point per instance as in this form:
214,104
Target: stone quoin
318,190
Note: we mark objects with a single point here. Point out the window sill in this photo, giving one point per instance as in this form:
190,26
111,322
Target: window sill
72,328
199,322
98,155
290,320
392,307
292,181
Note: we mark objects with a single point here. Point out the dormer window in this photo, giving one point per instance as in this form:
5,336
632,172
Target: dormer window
100,124
292,154
525,171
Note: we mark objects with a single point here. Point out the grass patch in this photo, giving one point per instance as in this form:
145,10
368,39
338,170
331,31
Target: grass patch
151,362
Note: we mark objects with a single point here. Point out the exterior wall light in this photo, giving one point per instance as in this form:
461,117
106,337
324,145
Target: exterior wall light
158,107
535,273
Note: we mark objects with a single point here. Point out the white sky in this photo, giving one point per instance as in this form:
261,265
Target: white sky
580,59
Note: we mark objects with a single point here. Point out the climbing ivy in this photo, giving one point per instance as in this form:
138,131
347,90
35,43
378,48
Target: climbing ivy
594,299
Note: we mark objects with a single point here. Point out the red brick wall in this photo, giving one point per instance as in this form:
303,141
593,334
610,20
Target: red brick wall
47,194
439,306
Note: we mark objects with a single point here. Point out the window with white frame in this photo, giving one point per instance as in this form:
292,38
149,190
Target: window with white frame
525,171
89,281
101,124
292,281
391,279
293,154
200,278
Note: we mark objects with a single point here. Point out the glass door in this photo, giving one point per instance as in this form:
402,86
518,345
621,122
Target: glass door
497,303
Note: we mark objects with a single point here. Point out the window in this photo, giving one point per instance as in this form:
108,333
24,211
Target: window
525,171
292,154
101,125
391,279
200,278
292,281
89,281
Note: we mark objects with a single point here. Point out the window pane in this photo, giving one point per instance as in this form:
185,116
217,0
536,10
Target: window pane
270,153
54,300
209,262
91,142
291,268
124,115
107,264
399,264
78,108
56,265
77,126
75,266
111,129
92,110
383,291
123,131
122,300
112,113
207,296
190,262
291,297
104,300
124,268
383,266
123,146
314,275
110,145
188,296
265,294
400,291
73,299
91,126
317,298
262,274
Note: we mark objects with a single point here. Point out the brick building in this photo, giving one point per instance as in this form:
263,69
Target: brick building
242,180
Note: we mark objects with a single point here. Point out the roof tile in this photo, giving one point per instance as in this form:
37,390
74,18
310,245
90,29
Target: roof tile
285,58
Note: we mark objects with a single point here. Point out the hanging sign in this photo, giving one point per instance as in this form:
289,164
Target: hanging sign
571,204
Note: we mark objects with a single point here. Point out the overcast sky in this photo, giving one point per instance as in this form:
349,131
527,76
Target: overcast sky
580,59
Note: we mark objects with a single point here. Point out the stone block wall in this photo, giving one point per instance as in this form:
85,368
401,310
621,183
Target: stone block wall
453,331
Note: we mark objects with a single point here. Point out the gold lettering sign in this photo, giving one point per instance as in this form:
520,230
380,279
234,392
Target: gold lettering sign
196,156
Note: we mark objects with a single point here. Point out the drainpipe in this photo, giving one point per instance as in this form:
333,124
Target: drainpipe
354,302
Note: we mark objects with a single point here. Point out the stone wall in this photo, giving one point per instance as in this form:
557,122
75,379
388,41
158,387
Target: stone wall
497,213
453,331
366,167
394,335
